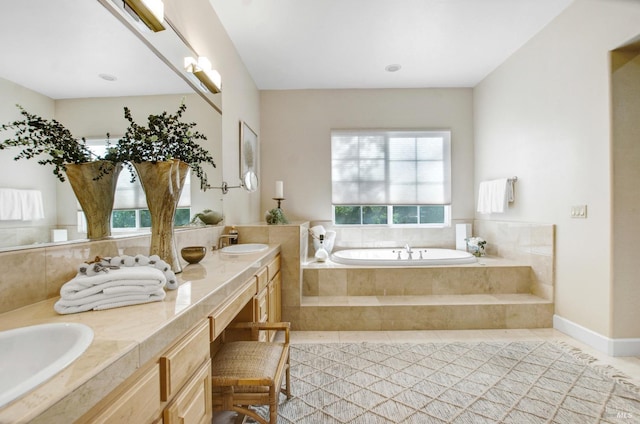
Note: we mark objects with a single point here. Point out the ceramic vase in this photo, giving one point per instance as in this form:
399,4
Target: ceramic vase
162,183
94,194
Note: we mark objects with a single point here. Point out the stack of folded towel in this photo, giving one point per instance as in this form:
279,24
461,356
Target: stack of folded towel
114,282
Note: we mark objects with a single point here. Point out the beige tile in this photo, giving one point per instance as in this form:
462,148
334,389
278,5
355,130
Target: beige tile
310,282
364,336
23,278
361,282
418,336
315,337
332,282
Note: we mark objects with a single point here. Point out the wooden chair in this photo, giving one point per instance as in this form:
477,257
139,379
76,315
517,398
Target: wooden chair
249,373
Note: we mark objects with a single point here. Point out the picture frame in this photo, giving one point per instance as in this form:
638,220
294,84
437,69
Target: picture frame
249,157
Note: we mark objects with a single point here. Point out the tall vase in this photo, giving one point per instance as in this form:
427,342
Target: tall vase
162,183
95,195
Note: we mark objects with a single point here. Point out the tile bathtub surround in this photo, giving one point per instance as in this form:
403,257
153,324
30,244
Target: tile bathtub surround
527,243
31,275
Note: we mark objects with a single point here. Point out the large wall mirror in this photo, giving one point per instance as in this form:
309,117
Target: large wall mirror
78,62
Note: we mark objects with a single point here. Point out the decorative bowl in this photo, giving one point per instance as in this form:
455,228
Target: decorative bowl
193,254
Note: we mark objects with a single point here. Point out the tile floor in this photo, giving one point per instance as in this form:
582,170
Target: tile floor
628,365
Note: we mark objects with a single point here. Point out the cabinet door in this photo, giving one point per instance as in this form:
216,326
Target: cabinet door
275,300
183,359
139,403
192,405
261,307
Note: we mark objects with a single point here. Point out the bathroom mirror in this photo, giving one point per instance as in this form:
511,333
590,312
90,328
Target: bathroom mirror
78,62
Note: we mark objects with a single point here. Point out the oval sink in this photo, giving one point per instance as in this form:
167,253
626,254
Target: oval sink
31,355
244,248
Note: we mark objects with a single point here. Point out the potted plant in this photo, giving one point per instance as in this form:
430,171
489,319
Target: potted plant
162,153
92,178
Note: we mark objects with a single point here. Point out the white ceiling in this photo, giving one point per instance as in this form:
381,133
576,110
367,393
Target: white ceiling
58,48
296,44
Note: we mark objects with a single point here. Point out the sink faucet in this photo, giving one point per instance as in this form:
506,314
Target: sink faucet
409,251
228,237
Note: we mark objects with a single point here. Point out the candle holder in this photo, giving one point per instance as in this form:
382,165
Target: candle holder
278,199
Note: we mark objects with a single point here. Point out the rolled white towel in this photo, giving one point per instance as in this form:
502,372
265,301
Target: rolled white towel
142,260
172,281
128,260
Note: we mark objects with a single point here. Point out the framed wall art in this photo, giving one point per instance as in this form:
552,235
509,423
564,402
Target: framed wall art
249,157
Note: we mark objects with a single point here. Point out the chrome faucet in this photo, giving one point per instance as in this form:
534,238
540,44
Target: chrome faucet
409,251
228,237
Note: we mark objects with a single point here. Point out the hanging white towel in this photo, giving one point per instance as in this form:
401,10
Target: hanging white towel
10,208
25,205
31,205
484,197
494,195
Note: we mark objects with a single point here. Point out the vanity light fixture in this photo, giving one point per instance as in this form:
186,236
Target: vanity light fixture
201,68
151,12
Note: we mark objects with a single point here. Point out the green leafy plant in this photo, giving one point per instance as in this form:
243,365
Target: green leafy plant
165,137
275,216
38,136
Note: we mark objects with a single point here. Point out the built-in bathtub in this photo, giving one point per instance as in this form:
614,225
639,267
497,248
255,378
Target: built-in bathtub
401,257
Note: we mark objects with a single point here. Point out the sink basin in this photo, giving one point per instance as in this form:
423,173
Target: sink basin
31,355
244,248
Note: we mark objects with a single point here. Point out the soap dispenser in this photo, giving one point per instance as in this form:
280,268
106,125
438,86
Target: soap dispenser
233,232
321,253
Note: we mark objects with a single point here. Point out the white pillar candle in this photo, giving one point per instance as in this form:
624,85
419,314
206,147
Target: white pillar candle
279,190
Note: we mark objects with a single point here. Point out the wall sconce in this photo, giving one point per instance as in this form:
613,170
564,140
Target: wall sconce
201,68
151,12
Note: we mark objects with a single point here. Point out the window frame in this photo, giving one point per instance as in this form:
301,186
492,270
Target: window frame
444,134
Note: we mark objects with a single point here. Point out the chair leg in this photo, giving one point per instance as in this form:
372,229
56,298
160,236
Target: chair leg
273,404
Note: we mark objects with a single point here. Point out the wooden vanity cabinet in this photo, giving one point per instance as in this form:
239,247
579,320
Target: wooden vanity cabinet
174,388
262,303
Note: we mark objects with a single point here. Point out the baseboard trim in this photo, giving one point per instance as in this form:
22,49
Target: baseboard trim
612,347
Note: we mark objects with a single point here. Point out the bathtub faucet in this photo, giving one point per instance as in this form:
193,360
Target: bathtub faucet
409,251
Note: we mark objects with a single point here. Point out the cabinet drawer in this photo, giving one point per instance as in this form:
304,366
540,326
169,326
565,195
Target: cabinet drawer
183,359
222,316
193,404
273,267
140,403
262,279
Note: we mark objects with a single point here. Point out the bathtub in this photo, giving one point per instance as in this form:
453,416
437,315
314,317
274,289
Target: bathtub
389,257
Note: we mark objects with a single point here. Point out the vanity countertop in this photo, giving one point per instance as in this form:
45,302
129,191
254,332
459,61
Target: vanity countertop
126,338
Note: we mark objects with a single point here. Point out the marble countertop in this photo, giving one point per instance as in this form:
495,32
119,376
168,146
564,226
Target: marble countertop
126,338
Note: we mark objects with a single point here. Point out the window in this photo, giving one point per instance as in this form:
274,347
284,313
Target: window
390,177
130,205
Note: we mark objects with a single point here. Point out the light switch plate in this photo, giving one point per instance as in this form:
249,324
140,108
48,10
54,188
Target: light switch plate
579,211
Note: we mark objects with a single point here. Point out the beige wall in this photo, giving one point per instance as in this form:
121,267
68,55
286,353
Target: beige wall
296,145
25,174
626,196
544,115
200,25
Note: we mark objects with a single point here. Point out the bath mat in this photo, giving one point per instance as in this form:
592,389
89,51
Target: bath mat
488,382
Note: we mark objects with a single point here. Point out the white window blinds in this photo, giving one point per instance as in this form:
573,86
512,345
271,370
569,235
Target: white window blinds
131,195
391,167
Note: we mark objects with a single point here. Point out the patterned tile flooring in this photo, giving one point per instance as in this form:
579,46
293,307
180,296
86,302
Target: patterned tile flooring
628,365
